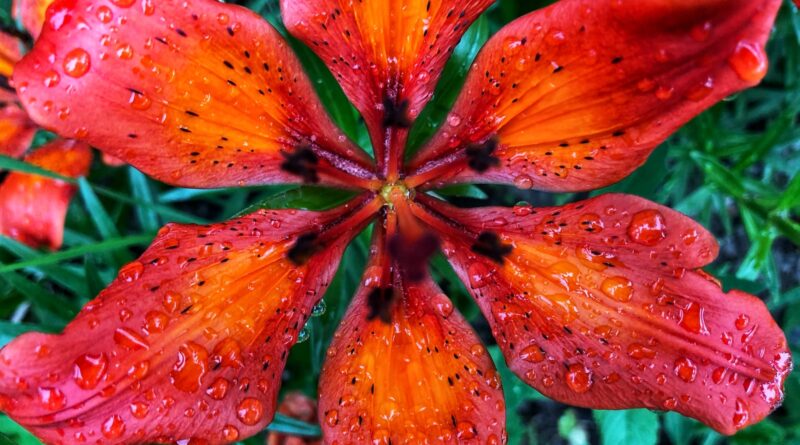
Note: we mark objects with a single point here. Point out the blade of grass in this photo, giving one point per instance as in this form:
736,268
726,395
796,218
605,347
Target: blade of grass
76,252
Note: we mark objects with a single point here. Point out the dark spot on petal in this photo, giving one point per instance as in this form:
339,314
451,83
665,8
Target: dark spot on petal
301,162
489,245
481,156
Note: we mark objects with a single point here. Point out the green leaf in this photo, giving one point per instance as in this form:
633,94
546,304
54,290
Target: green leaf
8,163
10,331
288,425
76,252
13,434
625,427
141,189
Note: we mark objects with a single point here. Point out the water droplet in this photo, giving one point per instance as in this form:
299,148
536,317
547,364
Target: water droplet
742,321
701,91
692,319
647,227
578,378
113,427
77,63
250,411
104,14
51,79
466,431
532,354
89,369
139,102
319,309
332,418
303,335
618,288
740,414
639,351
123,3
230,433
155,322
219,389
443,305
749,61
479,275
190,368
685,369
131,271
129,339
454,120
52,398
139,410
523,182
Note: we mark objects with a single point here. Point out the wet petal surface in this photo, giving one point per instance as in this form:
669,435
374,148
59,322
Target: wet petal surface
188,342
599,304
213,86
577,95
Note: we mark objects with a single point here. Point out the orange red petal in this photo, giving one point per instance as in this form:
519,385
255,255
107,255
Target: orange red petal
386,55
16,128
577,95
600,304
188,342
32,207
409,371
196,93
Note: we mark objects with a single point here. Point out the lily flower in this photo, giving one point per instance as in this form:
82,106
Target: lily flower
601,303
32,207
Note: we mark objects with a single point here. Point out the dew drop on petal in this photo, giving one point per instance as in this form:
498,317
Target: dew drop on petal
578,378
749,62
89,369
685,369
113,427
647,228
250,411
77,63
618,288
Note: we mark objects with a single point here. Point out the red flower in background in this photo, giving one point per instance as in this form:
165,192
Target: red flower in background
599,304
33,208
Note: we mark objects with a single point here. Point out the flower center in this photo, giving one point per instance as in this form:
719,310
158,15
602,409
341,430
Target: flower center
393,192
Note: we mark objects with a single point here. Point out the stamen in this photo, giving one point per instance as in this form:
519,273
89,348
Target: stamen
481,156
489,245
302,162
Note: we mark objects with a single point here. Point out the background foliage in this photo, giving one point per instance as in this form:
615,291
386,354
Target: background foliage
734,169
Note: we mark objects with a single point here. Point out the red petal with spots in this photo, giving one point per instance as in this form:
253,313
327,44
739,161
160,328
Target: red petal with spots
599,304
189,341
194,93
31,13
577,95
16,128
387,55
411,371
32,207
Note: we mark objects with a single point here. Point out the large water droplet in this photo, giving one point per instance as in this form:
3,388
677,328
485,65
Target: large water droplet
113,427
618,288
685,369
692,319
89,369
647,227
77,63
749,61
250,411
190,368
578,378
